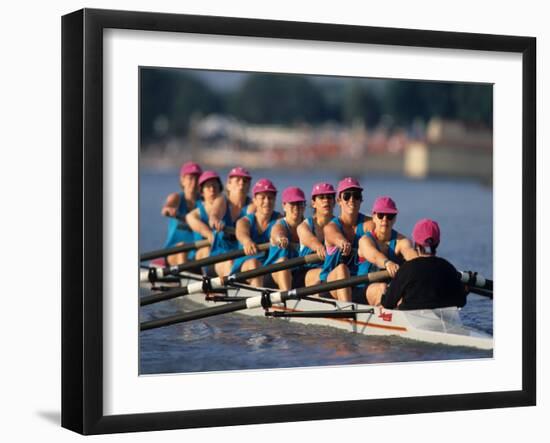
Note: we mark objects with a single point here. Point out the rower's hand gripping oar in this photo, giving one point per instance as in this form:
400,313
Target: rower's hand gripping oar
266,300
153,274
209,284
181,248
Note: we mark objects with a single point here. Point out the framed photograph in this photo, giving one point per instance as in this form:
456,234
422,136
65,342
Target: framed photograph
269,221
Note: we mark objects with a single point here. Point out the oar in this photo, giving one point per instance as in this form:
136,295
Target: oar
208,284
482,292
475,280
153,274
173,250
182,248
266,300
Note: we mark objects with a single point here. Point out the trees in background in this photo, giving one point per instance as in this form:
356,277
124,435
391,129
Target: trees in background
170,98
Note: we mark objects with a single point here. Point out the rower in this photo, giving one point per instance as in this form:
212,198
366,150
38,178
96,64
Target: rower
234,206
255,228
426,281
310,231
199,218
342,236
177,205
284,233
381,248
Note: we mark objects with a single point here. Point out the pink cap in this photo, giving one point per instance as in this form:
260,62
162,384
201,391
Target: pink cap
190,168
263,185
348,183
322,189
239,172
426,232
384,205
293,195
208,175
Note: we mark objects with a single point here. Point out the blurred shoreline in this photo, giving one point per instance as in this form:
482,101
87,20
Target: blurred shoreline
442,149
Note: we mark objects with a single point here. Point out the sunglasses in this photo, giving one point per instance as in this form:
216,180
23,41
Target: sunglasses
352,194
381,215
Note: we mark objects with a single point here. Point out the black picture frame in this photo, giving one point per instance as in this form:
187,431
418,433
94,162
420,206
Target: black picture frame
82,218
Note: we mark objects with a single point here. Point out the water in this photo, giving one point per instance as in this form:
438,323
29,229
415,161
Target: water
235,342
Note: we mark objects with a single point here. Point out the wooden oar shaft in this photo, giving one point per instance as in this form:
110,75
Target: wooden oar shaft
256,302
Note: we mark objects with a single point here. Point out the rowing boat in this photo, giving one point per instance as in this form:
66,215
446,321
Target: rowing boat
438,326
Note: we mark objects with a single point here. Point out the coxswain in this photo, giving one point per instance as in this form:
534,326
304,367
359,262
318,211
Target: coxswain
381,248
177,205
426,281
255,228
284,236
311,234
342,236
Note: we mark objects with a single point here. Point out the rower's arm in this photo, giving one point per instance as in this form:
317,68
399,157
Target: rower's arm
405,248
368,250
170,207
242,232
218,207
251,208
278,235
197,225
333,236
307,238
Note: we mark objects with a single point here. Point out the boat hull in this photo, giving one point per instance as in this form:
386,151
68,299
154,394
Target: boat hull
438,326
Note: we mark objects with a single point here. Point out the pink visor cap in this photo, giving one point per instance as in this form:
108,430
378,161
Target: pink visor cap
293,195
348,183
264,185
239,172
322,189
208,175
426,233
190,168
384,205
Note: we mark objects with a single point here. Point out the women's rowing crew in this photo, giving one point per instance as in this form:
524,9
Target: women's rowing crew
347,245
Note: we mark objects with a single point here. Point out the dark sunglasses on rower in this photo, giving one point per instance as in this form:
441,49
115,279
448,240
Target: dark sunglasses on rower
352,194
381,215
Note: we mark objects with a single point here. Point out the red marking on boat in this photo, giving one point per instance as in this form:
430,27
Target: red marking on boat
346,320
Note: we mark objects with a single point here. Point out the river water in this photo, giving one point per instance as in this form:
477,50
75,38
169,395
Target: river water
464,211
